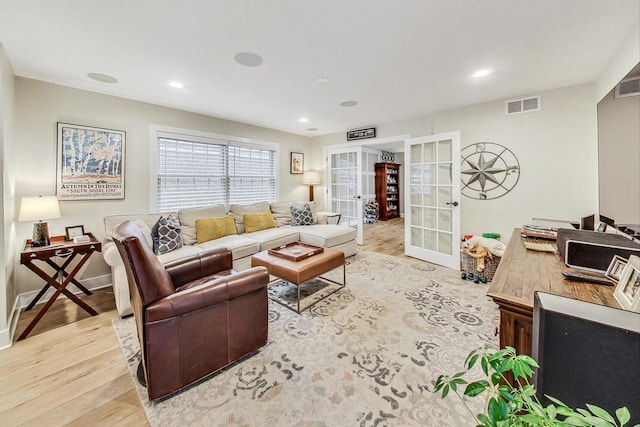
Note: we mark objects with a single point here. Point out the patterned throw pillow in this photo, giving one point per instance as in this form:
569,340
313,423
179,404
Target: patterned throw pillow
302,216
166,234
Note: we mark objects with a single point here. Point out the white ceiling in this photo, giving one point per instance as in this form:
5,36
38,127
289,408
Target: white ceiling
399,59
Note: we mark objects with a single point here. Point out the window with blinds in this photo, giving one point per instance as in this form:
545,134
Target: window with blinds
198,173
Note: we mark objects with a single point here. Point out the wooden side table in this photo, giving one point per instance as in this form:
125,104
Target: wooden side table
61,278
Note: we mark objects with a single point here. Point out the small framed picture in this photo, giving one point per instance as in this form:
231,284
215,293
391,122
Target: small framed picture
615,268
74,231
297,163
627,292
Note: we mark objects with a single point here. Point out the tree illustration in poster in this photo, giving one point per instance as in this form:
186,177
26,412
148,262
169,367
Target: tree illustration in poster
90,163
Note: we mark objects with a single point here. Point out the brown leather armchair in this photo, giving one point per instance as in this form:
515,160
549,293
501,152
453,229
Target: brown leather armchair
194,315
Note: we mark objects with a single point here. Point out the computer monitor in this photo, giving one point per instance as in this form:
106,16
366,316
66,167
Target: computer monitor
588,353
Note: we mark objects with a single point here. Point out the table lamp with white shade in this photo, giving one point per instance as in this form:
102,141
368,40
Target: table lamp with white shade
311,178
39,208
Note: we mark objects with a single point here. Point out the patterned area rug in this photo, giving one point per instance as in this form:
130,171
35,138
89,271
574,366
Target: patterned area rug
367,355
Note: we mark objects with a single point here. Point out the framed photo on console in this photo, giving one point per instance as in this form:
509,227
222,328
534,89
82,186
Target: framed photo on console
615,268
627,292
74,231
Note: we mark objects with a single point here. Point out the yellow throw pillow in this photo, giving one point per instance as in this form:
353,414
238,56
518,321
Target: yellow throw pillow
258,221
214,228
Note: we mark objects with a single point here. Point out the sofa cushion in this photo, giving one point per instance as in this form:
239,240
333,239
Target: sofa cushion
327,235
302,216
274,237
145,230
258,221
183,252
281,213
166,235
240,245
112,221
189,216
214,228
239,210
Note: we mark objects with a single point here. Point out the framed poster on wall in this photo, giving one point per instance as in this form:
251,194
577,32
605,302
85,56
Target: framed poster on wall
90,163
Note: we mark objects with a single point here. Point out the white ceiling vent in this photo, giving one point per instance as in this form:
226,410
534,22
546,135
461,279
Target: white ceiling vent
628,87
524,105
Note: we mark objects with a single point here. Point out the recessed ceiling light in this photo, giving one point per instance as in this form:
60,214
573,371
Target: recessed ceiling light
177,85
248,59
482,73
322,80
349,103
303,120
104,78
312,129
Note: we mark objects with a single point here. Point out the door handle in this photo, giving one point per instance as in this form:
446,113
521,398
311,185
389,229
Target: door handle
452,203
357,197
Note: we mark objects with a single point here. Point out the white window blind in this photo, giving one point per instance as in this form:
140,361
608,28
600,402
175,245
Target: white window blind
192,172
252,174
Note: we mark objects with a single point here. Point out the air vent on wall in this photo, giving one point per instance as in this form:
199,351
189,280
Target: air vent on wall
628,87
524,105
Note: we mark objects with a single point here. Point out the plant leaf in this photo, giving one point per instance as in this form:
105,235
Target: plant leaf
484,420
476,388
530,419
601,413
551,412
472,361
623,415
597,422
573,421
529,360
495,412
556,401
495,378
445,391
583,412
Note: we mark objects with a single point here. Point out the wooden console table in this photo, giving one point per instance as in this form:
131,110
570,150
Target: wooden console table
520,273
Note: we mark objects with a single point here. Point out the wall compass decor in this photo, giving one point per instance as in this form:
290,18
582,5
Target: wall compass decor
488,171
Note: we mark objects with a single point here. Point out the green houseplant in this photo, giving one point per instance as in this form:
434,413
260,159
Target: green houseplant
517,405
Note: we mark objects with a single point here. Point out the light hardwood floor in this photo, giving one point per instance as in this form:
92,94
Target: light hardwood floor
71,371
386,237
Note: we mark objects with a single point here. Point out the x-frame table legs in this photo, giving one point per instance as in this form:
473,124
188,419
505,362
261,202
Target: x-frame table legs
60,286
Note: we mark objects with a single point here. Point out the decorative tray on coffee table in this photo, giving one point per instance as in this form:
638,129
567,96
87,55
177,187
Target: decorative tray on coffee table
296,251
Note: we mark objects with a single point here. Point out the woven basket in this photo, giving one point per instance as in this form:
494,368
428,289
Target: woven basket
490,266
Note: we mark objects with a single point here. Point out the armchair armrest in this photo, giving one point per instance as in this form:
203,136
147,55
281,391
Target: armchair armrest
207,293
200,265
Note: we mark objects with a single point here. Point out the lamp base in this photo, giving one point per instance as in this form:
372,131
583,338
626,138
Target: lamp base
311,192
40,234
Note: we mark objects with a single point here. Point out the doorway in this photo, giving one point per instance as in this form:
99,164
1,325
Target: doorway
350,177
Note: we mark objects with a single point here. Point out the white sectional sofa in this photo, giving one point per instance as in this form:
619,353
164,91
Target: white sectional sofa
242,244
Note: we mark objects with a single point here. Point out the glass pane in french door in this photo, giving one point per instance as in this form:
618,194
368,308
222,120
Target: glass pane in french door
344,186
431,196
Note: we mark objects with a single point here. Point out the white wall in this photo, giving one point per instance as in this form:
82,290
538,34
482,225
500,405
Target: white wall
7,232
627,56
557,150
39,106
619,158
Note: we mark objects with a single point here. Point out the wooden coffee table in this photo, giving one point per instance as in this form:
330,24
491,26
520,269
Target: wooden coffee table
300,271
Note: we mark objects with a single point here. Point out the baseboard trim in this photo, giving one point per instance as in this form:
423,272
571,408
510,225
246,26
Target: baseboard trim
91,283
23,300
6,335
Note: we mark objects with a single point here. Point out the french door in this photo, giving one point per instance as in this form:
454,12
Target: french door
351,178
432,211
